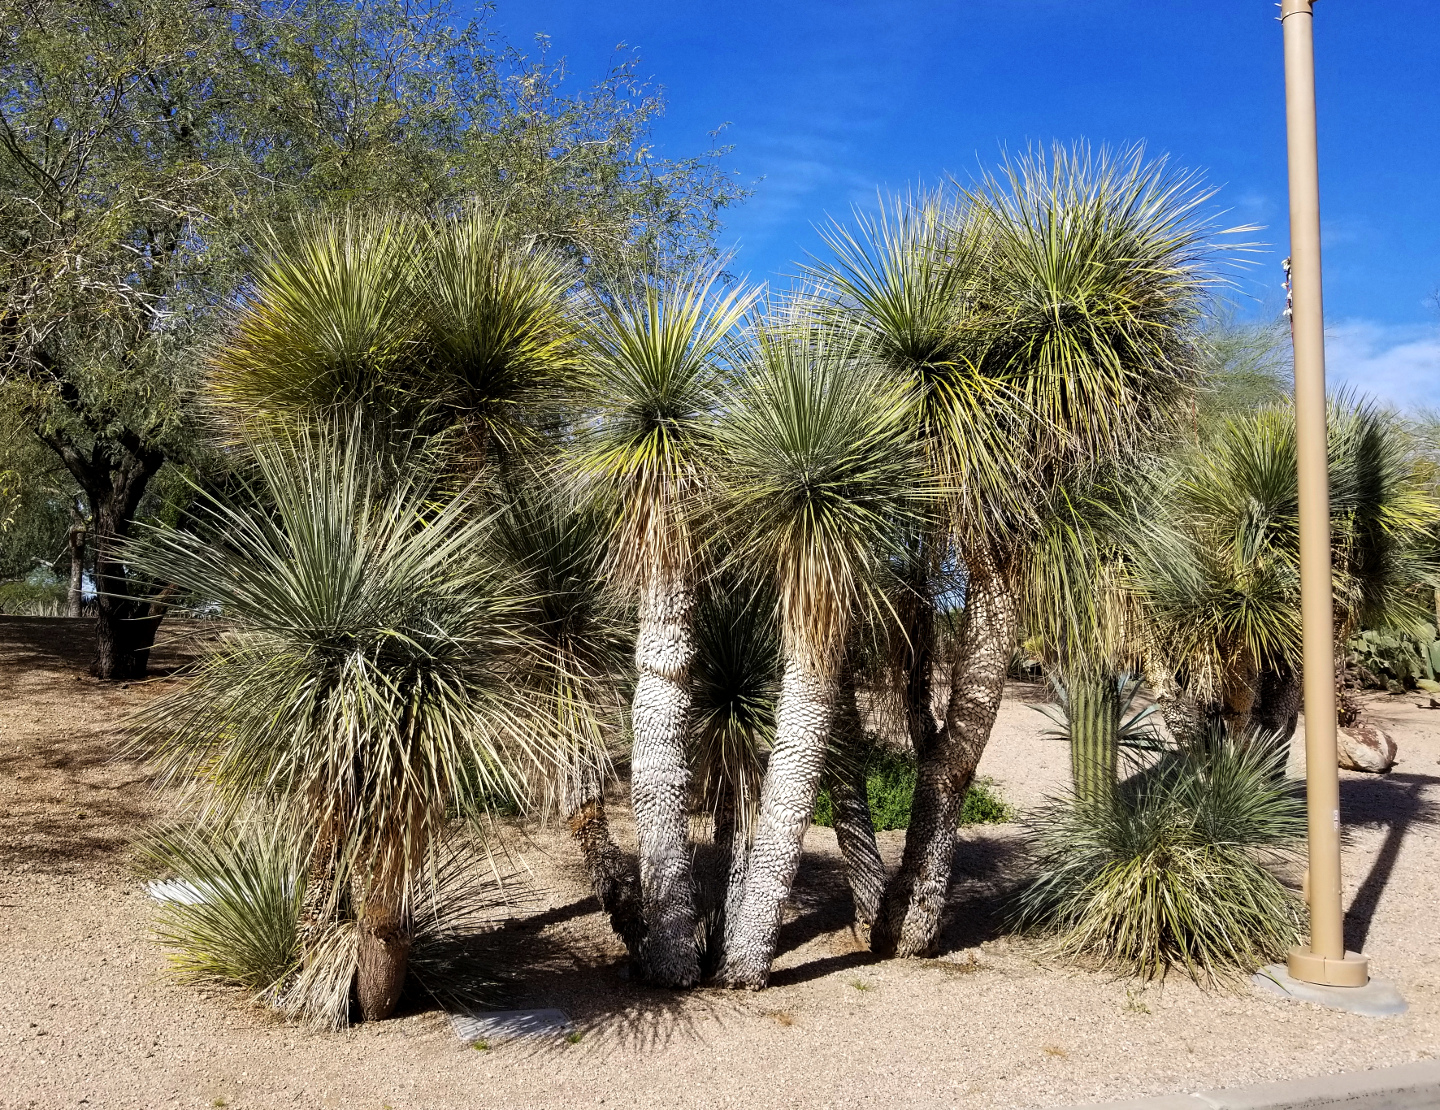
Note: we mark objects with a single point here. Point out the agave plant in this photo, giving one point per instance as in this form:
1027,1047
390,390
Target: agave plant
364,689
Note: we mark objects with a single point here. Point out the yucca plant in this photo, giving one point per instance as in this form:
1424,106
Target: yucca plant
363,689
655,355
576,671
1220,558
232,912
821,475
1174,868
1043,320
732,729
230,901
453,322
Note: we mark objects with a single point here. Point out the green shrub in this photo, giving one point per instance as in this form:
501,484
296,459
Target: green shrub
890,784
1174,869
38,594
230,910
1395,660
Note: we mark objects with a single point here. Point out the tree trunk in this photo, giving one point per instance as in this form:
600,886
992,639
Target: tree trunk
1177,708
124,629
114,473
1278,707
1240,686
660,783
909,919
787,805
1094,715
75,596
614,876
850,805
384,957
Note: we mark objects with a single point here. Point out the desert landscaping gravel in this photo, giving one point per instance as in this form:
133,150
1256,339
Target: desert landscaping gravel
88,1016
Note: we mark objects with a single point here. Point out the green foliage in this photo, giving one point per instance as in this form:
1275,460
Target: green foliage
39,593
365,687
1395,660
232,900
1174,868
820,479
232,915
1218,556
890,775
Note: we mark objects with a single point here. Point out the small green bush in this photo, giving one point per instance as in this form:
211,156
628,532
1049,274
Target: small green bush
890,784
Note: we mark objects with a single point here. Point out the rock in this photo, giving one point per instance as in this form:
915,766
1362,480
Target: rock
1363,747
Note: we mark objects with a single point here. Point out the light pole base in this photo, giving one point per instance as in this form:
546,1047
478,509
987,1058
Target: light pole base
1351,971
1376,998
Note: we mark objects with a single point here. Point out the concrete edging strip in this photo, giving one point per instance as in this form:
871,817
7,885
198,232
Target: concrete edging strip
1404,1087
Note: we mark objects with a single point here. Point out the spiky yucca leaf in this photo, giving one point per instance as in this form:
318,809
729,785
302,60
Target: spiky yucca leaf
230,905
500,329
330,321
822,476
656,356
734,687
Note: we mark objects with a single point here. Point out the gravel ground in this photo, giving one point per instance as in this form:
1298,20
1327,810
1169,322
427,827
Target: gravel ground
90,1018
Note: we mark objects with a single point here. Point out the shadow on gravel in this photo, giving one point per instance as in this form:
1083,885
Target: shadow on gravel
1397,801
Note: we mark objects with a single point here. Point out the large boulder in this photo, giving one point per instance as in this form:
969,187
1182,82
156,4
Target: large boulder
1363,747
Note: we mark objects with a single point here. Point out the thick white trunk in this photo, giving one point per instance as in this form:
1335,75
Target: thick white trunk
660,781
787,803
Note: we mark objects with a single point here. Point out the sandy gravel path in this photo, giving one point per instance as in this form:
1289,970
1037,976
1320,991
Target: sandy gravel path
88,1017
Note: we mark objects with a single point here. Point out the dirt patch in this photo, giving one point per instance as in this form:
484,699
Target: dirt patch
89,1016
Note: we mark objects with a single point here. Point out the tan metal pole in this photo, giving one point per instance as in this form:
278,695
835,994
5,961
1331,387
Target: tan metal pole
1324,959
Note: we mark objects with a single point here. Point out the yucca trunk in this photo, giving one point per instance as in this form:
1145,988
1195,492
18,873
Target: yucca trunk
1278,708
614,877
909,919
660,782
383,955
850,804
1094,716
787,804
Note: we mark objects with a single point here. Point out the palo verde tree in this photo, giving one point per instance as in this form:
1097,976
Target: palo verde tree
142,143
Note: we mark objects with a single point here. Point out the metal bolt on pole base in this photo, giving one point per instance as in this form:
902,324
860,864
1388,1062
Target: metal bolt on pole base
1350,970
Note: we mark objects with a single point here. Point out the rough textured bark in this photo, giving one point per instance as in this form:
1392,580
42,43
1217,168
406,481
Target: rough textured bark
787,804
1094,717
1177,707
114,475
1239,692
384,958
660,782
1278,707
75,539
909,919
614,876
850,804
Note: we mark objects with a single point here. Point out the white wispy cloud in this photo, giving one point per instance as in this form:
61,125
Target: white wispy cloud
1399,364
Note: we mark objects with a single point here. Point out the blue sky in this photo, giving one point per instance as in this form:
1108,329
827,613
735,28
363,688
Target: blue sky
829,101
